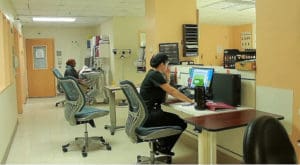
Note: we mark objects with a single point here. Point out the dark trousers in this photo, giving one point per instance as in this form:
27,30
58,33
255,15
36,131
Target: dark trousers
161,118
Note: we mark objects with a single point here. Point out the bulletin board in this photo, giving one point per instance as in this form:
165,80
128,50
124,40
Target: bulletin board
171,49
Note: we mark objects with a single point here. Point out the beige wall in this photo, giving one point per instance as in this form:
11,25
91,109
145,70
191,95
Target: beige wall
106,28
7,9
8,118
278,53
124,34
8,100
70,41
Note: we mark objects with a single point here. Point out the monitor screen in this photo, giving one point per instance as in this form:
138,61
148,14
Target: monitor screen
88,61
199,76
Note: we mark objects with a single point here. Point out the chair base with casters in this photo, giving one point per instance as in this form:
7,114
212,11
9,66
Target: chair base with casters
151,135
77,112
155,157
87,143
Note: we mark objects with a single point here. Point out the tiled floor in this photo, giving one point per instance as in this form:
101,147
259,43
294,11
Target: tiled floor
42,130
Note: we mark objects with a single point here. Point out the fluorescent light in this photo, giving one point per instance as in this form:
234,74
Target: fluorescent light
53,19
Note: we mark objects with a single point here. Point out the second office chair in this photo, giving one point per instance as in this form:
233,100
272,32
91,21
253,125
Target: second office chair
76,113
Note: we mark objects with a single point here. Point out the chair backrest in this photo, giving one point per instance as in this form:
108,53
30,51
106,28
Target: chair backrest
58,75
137,113
267,142
75,99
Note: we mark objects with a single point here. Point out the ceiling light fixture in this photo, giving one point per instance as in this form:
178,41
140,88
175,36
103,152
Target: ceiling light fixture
53,19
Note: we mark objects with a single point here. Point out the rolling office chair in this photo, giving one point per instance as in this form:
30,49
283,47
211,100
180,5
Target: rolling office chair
137,116
58,75
77,113
267,142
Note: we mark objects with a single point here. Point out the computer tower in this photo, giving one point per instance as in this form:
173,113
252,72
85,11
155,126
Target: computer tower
227,88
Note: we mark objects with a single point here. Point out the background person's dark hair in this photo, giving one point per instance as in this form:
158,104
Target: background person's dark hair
71,62
158,59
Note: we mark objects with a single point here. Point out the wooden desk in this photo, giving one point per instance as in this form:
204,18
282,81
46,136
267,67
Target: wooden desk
209,124
112,107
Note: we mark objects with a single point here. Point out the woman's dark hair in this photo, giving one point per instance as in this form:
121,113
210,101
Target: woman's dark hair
158,59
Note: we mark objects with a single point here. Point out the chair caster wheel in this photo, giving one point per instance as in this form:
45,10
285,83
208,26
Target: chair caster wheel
84,154
106,127
56,104
65,149
138,159
108,147
112,133
102,140
169,160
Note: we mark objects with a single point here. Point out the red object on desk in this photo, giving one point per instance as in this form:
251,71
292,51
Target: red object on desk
218,105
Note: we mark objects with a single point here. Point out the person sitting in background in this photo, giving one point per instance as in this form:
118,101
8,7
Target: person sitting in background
71,71
154,90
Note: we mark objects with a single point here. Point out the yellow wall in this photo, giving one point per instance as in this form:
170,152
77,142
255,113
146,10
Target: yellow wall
213,39
237,30
278,53
164,23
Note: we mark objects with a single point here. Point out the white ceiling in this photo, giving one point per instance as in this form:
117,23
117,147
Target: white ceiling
87,12
227,12
93,12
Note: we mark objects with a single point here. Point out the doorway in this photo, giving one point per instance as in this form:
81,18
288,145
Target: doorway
40,61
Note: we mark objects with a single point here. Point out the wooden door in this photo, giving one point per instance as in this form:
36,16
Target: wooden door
40,61
18,69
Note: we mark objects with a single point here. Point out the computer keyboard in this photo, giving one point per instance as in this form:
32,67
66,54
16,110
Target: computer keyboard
187,91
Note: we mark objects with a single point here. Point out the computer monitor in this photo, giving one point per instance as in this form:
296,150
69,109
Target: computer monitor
88,61
199,76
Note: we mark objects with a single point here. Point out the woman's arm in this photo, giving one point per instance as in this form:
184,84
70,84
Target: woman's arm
175,93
